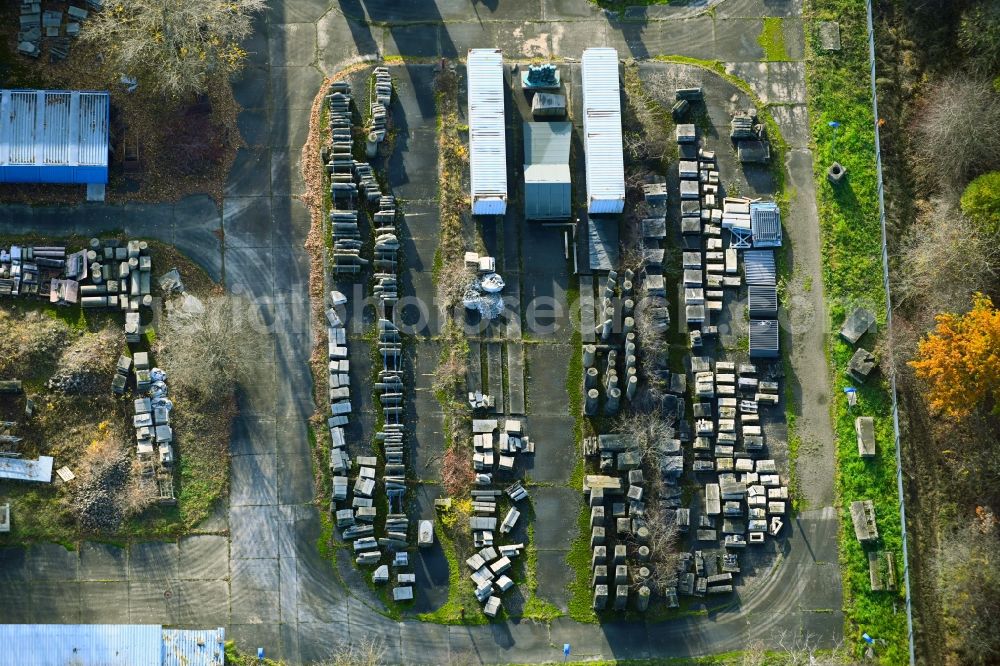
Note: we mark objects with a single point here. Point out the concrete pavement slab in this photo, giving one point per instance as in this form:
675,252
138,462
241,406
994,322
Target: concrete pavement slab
14,566
252,124
340,40
252,435
203,557
413,106
288,590
104,602
546,379
425,644
254,480
292,469
413,167
530,642
51,561
102,561
18,606
552,505
292,43
246,221
472,645
736,39
252,87
55,602
148,599
286,171
250,175
257,634
153,559
250,270
555,450
438,10
253,529
780,8
287,127
786,82
554,575
793,122
294,87
795,38
410,41
198,603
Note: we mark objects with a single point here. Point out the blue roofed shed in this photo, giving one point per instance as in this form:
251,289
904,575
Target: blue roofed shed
110,645
54,136
765,222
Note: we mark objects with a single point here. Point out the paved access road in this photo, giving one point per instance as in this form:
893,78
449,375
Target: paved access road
255,568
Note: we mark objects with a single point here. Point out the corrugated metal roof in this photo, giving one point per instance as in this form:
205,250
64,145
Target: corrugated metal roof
547,143
48,128
763,338
487,132
765,221
602,128
762,300
110,645
20,469
758,267
547,173
194,647
81,644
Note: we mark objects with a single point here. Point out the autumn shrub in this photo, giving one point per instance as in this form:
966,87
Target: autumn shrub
960,360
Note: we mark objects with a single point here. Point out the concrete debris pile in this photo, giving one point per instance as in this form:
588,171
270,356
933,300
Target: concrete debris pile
749,134
110,274
52,28
617,343
151,408
483,293
343,224
381,98
31,270
494,458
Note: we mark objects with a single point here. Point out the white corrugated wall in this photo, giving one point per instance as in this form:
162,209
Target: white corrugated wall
487,132
602,128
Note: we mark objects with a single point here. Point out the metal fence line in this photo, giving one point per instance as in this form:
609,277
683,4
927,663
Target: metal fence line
888,306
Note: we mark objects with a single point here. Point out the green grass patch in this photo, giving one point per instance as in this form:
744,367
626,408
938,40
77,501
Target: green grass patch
772,39
838,84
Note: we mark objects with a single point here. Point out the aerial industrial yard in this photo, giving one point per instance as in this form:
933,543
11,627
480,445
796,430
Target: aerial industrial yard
456,332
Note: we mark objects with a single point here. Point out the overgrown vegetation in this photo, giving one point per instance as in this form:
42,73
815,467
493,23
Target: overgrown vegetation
852,272
938,102
178,48
66,358
772,39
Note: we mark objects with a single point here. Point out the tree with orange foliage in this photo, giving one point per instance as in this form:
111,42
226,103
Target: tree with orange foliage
961,359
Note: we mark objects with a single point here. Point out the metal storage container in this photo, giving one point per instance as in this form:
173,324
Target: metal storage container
487,133
602,128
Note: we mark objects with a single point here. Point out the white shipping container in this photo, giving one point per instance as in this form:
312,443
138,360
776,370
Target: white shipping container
487,132
602,128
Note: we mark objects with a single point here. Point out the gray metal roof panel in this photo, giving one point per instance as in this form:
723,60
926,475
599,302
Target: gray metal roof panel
759,268
764,338
547,143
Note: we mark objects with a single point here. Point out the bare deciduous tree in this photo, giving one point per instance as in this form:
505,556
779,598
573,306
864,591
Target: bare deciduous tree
968,579
209,352
944,259
365,652
648,430
958,130
176,46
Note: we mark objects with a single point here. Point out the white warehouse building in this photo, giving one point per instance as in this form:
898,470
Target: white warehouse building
487,132
602,129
